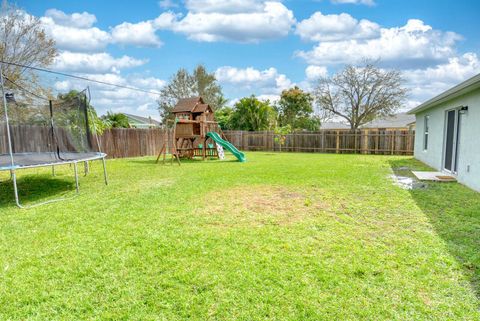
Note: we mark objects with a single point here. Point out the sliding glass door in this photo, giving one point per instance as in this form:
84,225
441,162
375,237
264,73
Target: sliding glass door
452,134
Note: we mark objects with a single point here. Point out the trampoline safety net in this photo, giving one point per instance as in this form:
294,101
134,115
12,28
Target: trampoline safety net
44,131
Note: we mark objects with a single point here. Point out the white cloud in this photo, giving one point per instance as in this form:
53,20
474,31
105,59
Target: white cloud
150,82
365,2
143,33
74,38
62,85
315,72
263,97
139,34
224,6
166,20
75,32
268,81
282,82
107,98
82,52
456,70
271,98
145,107
110,78
77,20
93,63
429,82
126,101
413,45
241,76
312,74
269,20
232,102
427,57
244,21
333,27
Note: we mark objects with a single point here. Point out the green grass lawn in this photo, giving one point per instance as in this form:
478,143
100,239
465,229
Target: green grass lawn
281,237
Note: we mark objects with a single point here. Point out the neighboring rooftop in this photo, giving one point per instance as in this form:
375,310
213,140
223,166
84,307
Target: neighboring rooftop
139,121
334,125
458,90
401,120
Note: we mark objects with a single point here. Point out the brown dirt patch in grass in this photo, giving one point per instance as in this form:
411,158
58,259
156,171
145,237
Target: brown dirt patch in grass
257,206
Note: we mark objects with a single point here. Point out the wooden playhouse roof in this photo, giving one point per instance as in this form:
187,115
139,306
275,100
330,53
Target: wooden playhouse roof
201,108
191,105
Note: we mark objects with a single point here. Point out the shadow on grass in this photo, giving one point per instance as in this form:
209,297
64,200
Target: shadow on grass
35,188
454,212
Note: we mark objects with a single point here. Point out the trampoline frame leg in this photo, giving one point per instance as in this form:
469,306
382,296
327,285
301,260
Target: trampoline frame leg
86,168
53,171
105,176
15,188
75,169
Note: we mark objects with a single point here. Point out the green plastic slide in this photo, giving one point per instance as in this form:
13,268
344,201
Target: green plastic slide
227,145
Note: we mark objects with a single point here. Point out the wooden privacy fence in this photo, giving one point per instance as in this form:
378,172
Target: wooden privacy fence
120,142
132,142
116,142
365,141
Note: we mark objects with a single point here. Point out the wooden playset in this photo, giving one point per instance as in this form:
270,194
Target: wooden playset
195,133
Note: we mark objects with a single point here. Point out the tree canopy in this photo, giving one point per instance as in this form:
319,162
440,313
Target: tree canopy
223,116
359,94
23,41
185,85
252,114
295,109
116,120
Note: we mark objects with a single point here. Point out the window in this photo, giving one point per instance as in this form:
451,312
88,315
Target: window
185,116
425,134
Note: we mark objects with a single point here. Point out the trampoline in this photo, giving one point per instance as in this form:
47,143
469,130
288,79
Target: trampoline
40,132
30,160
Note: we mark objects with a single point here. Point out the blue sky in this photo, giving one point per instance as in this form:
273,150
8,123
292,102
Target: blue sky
258,47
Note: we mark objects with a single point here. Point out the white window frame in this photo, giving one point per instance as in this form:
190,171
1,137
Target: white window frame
426,130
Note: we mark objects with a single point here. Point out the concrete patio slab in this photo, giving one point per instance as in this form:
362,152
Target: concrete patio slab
434,176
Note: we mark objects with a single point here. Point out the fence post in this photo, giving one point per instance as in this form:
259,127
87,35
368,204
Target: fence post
272,137
355,149
366,140
265,140
337,150
241,139
393,141
323,141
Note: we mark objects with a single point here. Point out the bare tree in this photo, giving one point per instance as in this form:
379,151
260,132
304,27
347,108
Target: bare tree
23,41
360,94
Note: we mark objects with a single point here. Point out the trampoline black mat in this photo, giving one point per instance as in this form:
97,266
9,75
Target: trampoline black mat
25,160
